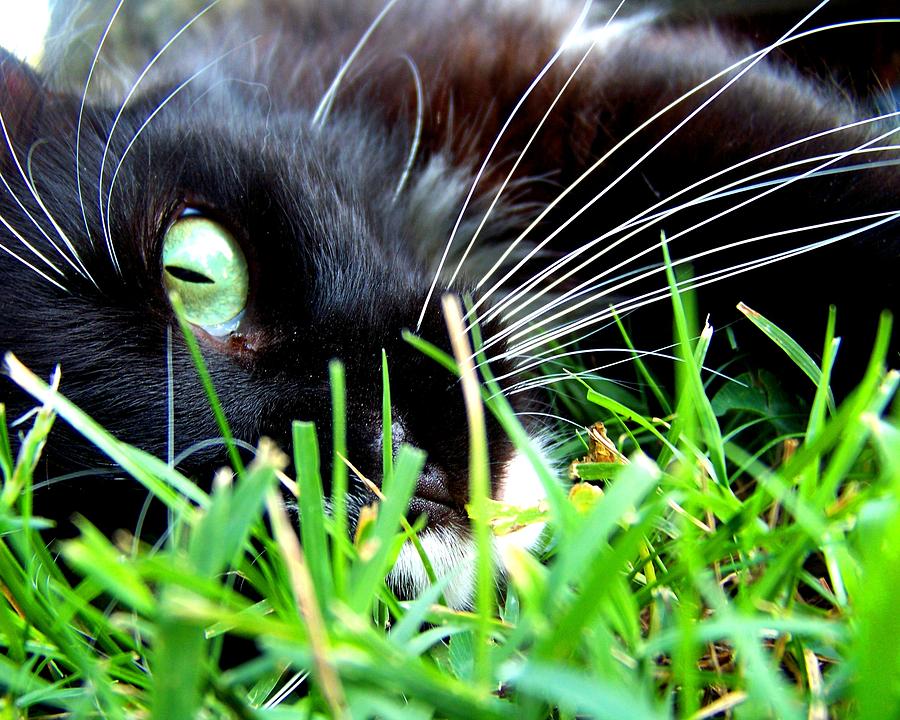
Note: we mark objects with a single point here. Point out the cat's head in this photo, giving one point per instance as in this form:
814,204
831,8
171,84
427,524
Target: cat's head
290,246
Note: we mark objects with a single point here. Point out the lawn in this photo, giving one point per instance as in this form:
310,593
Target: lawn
737,557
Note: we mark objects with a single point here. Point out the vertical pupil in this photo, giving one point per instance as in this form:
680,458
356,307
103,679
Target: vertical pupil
187,275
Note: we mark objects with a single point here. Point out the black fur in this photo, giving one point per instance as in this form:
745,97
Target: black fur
339,265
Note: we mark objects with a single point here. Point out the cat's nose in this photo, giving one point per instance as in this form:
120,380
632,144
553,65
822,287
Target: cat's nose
435,484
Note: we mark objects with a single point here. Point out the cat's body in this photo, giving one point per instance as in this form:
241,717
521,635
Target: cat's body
343,195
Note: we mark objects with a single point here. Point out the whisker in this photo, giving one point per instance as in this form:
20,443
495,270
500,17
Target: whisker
324,107
523,152
292,684
77,475
534,83
552,379
87,84
722,273
37,196
552,416
753,59
538,357
692,283
417,133
170,400
648,218
585,286
576,341
208,443
157,110
104,219
11,193
537,360
28,264
28,245
832,158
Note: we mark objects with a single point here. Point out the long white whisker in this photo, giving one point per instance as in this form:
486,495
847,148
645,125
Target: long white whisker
647,215
29,265
529,343
524,151
518,161
535,361
34,250
324,107
25,210
87,84
295,681
830,161
37,198
752,59
104,221
579,289
551,416
201,445
170,400
490,153
594,372
157,110
557,348
552,379
659,293
417,133
32,186
19,236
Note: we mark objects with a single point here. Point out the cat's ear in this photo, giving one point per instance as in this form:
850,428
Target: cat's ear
21,96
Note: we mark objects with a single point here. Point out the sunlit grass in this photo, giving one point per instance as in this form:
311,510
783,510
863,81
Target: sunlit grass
721,566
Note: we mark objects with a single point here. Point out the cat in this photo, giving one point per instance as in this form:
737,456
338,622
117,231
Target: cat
295,171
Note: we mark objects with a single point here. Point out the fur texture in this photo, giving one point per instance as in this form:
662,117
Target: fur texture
343,197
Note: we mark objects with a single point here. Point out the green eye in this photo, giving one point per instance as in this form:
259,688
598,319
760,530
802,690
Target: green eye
205,265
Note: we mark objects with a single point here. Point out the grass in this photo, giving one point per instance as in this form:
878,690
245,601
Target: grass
739,564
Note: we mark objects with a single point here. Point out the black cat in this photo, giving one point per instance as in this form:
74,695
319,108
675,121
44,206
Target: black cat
298,186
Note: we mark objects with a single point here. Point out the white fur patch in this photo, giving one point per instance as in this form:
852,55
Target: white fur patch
449,554
453,553
522,488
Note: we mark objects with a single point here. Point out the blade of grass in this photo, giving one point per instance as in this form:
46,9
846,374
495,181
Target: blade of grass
479,484
311,503
387,439
225,526
797,354
367,573
339,473
691,381
194,348
151,472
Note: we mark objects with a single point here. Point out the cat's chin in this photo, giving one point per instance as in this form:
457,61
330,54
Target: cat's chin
447,540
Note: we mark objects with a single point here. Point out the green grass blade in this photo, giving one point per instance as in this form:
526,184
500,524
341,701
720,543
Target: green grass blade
194,348
387,439
311,502
225,525
339,472
792,349
163,481
367,573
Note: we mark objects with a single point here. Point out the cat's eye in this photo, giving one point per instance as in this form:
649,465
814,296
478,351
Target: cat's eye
204,263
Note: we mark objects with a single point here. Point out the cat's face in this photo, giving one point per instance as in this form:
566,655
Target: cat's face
305,215
302,221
